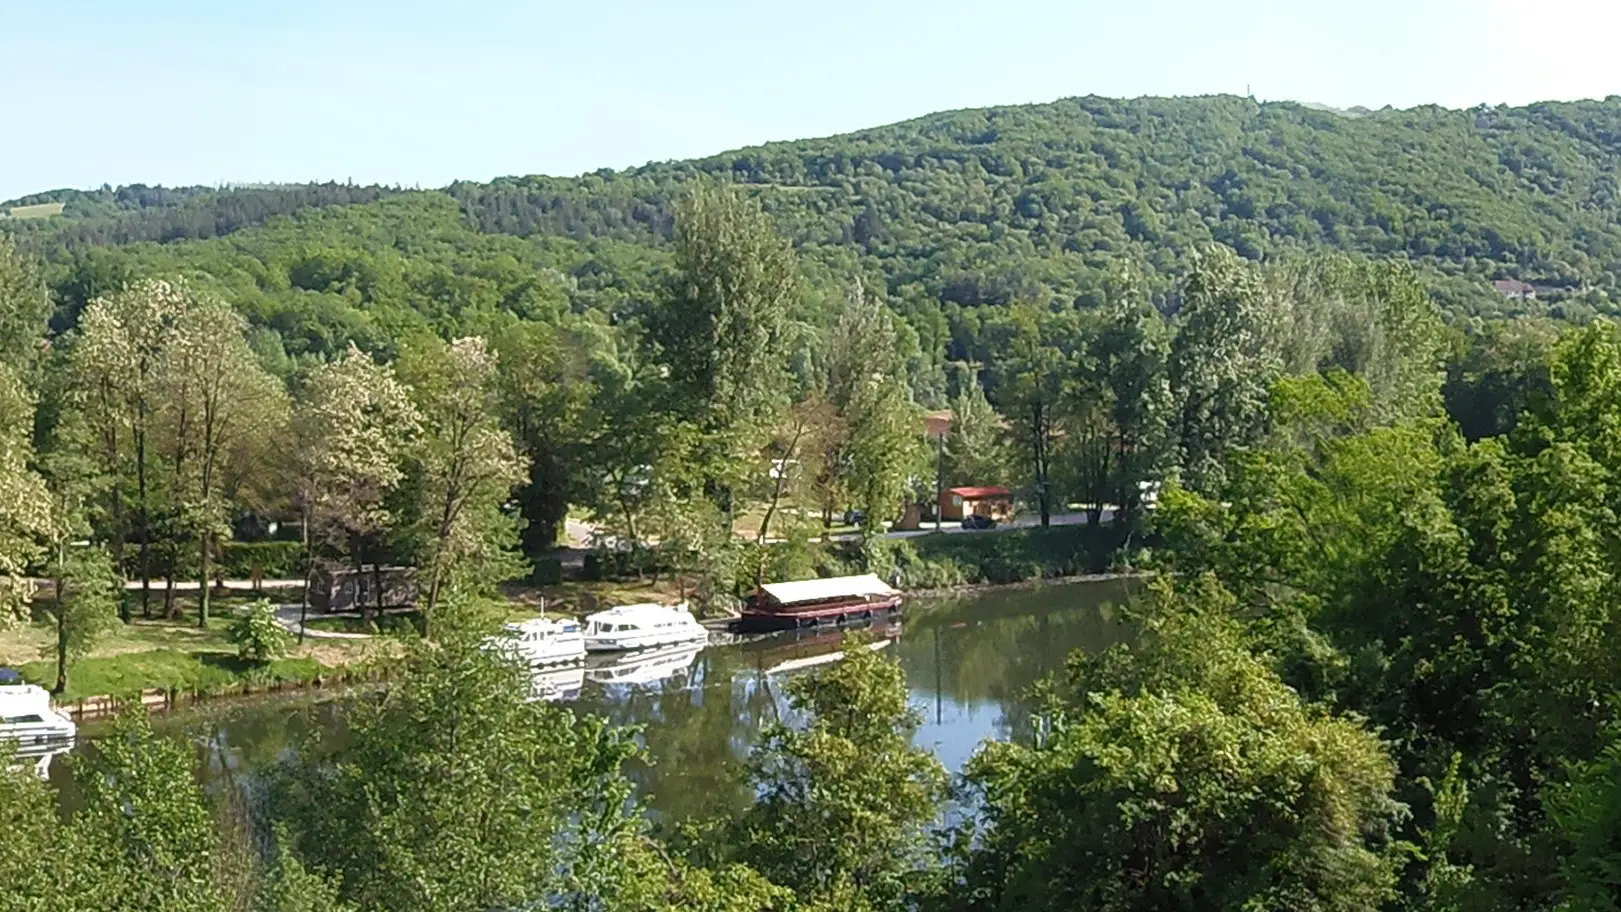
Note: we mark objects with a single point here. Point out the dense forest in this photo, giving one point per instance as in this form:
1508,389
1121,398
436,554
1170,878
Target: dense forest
1377,667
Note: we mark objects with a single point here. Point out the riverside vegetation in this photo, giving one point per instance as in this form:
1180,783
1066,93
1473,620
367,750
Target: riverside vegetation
1379,671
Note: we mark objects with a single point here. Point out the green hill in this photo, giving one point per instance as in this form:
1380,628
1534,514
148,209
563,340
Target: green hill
949,212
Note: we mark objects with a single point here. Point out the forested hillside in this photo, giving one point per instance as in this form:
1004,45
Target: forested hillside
1046,203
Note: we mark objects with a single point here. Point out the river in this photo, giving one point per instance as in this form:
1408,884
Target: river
969,661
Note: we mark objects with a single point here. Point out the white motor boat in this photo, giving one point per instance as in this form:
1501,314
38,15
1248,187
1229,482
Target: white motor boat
29,725
643,626
643,668
545,642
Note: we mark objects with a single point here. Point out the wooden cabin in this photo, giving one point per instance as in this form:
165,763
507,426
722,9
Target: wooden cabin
957,504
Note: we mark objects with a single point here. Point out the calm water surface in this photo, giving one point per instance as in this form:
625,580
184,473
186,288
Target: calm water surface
969,662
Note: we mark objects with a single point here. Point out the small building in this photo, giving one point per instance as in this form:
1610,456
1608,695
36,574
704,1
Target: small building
347,590
1514,288
960,503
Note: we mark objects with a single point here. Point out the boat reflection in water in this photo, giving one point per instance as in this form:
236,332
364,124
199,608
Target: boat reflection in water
790,652
556,682
641,668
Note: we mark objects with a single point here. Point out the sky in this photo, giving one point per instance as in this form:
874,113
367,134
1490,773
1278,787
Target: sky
421,94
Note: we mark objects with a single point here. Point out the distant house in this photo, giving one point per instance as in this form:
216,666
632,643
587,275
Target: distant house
961,503
1514,288
347,590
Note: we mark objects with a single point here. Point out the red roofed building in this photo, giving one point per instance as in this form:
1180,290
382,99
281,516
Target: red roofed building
960,503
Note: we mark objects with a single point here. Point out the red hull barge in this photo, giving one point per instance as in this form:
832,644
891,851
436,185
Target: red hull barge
820,602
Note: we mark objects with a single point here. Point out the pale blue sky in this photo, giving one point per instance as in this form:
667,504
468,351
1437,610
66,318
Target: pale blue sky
204,91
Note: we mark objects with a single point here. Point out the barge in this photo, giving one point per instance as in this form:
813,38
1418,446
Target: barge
813,603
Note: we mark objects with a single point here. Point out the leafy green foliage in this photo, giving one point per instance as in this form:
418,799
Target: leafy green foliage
844,803
1185,774
258,636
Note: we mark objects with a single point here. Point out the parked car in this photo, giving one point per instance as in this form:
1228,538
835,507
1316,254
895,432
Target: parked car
978,522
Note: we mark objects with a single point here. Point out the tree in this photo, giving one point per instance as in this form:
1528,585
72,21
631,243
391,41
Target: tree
975,453
844,804
1184,774
30,873
116,360
25,308
27,519
214,397
722,334
466,465
544,379
356,424
1226,354
867,383
143,839
1030,375
88,593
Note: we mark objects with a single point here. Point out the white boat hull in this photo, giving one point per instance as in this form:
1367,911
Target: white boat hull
647,640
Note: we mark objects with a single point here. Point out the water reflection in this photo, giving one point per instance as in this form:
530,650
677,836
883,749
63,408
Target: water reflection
969,662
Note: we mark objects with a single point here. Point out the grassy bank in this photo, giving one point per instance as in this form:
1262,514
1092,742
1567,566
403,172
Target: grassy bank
168,654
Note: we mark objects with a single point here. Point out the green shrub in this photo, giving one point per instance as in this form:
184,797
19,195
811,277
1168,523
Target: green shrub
275,559
258,636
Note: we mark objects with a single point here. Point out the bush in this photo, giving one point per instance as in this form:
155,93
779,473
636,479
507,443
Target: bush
942,561
258,636
275,559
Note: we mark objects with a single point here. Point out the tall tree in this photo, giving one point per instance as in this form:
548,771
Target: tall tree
867,382
1226,353
1030,372
466,465
27,520
545,387
215,397
117,360
722,335
975,451
355,423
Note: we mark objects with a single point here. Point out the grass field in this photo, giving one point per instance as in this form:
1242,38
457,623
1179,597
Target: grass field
160,653
41,210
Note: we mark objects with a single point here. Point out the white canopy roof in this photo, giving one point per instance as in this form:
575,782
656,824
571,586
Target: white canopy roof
821,590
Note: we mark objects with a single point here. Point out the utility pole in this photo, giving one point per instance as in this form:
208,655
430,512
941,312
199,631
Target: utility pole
939,478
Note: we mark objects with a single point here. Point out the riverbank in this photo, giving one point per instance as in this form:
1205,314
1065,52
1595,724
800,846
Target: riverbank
174,655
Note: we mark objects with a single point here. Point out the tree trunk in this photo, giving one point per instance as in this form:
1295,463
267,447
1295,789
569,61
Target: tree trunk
170,611
377,586
61,622
309,567
1039,427
360,576
118,525
203,555
144,515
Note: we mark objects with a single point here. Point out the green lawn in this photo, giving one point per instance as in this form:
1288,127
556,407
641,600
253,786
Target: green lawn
163,668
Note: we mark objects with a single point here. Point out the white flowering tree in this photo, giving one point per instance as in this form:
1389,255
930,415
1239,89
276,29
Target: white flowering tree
356,425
